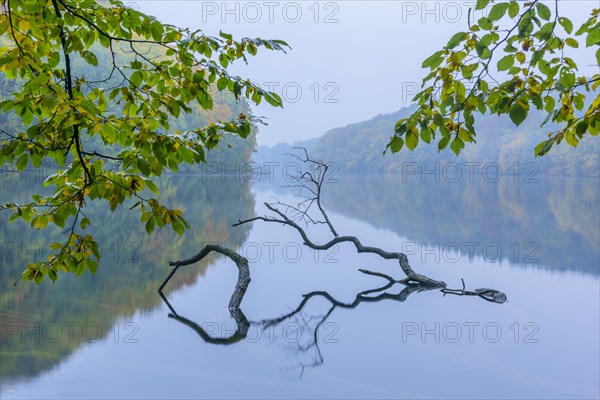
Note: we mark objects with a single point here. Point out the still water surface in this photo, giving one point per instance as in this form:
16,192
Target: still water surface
110,336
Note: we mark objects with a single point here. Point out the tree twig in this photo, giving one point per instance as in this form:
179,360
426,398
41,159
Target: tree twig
241,263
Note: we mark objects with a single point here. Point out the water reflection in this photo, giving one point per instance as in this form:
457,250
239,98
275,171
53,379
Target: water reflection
356,327
313,323
553,223
42,325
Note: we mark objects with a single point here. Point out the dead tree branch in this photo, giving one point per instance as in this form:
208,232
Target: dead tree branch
241,262
312,181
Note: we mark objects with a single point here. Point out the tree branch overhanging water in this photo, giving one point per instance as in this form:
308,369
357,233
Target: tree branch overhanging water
308,185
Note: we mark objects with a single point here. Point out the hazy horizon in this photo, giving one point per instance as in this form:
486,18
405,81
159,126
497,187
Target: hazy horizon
350,60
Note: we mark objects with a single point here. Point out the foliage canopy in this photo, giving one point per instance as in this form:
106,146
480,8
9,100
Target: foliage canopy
112,132
507,70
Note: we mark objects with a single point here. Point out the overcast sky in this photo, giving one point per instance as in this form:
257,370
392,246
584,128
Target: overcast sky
350,60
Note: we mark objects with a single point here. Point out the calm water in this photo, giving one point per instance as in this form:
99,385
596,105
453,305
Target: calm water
111,336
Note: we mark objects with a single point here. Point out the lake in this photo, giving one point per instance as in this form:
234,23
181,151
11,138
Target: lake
111,336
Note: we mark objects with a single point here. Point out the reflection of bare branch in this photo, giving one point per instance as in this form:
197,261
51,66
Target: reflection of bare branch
359,298
366,296
242,325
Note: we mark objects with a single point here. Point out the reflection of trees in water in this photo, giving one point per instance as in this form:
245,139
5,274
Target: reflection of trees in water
560,216
575,207
133,265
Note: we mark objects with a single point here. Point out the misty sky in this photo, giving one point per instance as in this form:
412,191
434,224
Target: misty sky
350,60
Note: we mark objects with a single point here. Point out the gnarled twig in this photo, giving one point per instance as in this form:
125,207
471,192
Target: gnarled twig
241,262
312,181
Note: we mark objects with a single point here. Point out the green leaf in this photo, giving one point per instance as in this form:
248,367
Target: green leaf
225,35
513,9
59,220
80,268
223,60
136,78
567,77
52,275
457,145
481,4
143,166
92,265
566,24
517,114
425,135
498,11
544,147
273,99
152,186
178,227
84,223
396,144
412,140
485,23
40,222
150,225
571,139
581,128
38,277
550,103
174,108
572,42
506,62
90,58
546,31
593,37
108,133
22,162
222,83
433,59
543,11
483,51
456,39
467,70
443,143
71,263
